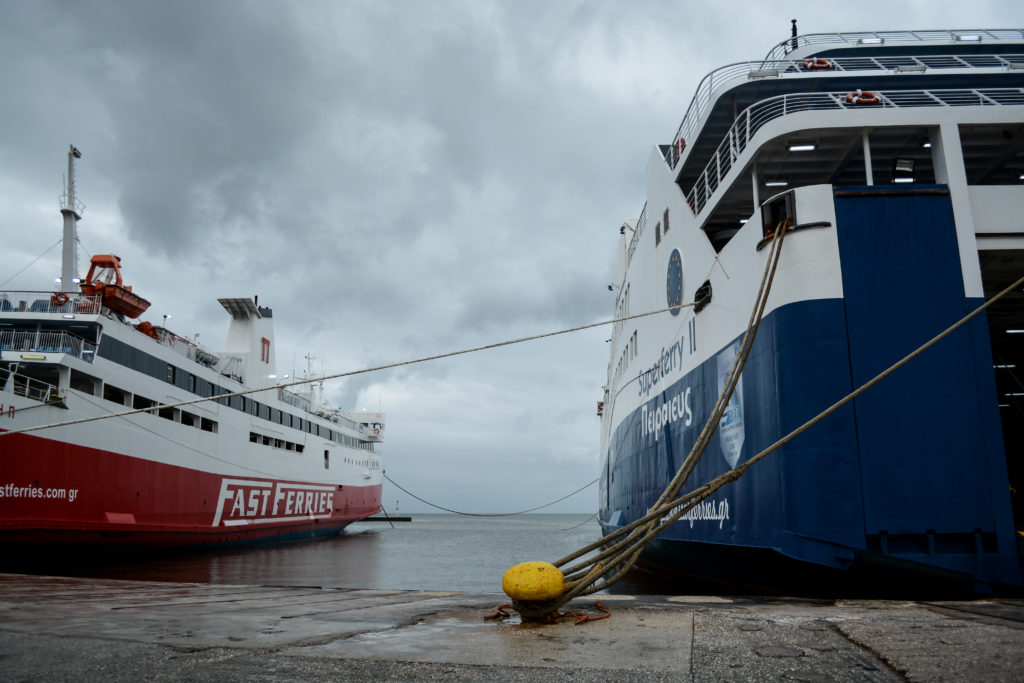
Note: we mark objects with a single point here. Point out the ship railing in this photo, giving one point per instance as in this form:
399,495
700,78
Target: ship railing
37,341
188,348
48,302
29,387
294,400
70,203
637,231
859,38
781,67
754,117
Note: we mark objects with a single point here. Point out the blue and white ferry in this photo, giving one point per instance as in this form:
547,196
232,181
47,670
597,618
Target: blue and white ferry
896,158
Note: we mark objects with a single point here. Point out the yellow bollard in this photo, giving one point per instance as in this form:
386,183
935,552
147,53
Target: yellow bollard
533,581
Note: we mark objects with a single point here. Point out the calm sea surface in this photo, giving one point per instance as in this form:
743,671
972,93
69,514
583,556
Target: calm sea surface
432,552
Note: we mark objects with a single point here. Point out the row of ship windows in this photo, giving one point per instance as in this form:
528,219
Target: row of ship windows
115,395
278,443
283,444
628,354
373,464
130,357
658,229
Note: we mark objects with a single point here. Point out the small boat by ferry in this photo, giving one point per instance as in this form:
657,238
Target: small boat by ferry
253,462
896,160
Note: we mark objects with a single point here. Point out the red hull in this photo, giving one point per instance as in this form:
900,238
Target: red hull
57,493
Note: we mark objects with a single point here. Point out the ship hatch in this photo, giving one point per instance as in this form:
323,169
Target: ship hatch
999,268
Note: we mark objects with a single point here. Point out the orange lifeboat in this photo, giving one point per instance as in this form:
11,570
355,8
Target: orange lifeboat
104,279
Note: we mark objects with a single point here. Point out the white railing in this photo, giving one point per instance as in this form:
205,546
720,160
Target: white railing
293,399
774,68
188,348
754,117
882,37
37,341
640,224
48,302
29,387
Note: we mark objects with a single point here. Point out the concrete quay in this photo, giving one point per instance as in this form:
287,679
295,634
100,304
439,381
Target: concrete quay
74,629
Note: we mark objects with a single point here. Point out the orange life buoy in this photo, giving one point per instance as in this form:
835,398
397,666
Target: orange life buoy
817,64
376,431
59,299
862,97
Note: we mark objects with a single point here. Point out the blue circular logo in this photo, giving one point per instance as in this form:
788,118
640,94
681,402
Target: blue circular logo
674,281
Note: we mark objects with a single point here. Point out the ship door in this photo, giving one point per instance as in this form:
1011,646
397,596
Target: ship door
931,456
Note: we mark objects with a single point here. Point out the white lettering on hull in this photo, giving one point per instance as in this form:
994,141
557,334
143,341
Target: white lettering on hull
245,501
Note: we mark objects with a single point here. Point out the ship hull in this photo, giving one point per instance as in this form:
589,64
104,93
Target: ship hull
58,493
904,488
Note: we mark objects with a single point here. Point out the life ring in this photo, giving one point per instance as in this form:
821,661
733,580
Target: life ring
59,299
862,97
376,431
817,64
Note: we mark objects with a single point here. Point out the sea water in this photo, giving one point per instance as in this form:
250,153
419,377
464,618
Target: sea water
432,552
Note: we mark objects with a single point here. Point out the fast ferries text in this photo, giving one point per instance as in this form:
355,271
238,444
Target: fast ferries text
246,501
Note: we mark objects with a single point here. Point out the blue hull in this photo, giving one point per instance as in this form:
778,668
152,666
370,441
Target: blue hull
910,480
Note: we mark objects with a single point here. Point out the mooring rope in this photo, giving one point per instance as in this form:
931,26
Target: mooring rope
338,375
48,250
491,514
585,578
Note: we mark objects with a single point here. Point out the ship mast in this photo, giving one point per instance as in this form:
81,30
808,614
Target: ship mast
71,209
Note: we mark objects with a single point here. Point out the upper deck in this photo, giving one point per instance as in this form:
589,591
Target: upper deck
733,132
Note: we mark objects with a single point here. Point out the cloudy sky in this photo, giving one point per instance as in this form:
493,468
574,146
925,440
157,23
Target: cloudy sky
396,179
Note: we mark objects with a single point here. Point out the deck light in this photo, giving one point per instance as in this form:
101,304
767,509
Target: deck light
926,144
871,41
970,37
1021,177
903,179
776,183
802,148
1015,332
1004,366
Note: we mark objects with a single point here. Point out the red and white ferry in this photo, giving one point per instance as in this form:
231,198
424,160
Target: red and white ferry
254,462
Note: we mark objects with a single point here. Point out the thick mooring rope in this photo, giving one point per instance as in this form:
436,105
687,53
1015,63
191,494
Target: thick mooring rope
598,572
586,577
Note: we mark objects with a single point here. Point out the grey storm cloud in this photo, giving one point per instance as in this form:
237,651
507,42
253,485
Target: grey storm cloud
395,178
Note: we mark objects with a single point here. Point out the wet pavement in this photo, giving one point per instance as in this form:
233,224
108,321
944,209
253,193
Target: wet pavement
108,630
